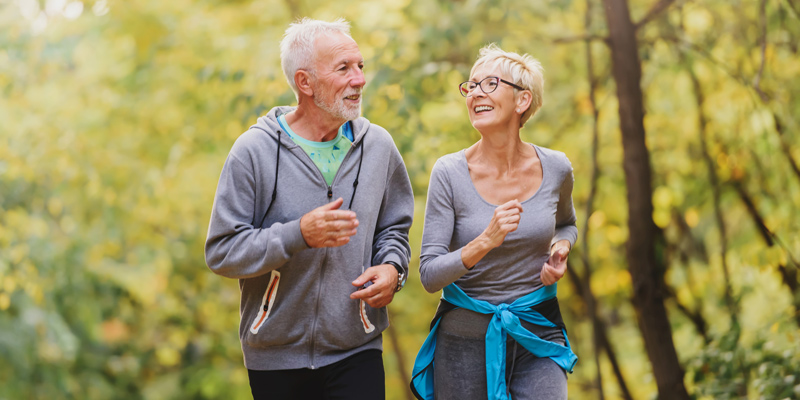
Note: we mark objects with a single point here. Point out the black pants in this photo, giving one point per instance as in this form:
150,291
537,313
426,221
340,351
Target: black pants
359,376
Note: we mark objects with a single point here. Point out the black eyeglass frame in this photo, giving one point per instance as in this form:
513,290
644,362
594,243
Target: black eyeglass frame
480,85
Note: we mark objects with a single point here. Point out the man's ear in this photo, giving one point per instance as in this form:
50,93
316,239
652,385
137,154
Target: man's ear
303,81
524,100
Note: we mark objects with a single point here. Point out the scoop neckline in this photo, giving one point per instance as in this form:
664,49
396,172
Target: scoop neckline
475,189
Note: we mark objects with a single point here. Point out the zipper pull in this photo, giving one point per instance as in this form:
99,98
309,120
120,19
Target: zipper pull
330,192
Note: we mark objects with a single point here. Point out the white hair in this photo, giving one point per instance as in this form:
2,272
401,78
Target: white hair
297,46
523,70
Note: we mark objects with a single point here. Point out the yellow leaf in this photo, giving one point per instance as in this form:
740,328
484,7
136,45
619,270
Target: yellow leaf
597,219
661,218
5,301
9,284
168,356
692,217
662,197
697,20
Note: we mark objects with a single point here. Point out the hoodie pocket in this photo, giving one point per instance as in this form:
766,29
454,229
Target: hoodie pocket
266,303
365,323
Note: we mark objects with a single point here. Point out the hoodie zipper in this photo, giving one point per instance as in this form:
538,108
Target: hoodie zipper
312,349
319,173
336,176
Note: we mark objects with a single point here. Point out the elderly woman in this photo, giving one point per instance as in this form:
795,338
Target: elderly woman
499,224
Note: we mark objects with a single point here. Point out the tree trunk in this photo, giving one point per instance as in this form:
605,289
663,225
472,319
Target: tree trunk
648,296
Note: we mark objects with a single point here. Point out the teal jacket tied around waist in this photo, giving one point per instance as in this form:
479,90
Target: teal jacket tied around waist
505,321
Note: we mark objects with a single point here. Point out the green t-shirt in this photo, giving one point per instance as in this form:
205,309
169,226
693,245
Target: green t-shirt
327,156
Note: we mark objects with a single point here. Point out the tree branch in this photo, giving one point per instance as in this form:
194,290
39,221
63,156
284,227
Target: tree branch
789,274
716,195
654,12
591,304
766,234
600,328
683,259
794,7
579,38
779,127
695,316
762,17
295,9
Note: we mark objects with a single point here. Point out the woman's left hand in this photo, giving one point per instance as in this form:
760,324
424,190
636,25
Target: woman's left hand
556,265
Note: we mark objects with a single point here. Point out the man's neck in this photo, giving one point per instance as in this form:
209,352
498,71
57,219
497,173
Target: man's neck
313,124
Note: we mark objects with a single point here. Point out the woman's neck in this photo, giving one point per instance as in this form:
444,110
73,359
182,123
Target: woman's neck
502,151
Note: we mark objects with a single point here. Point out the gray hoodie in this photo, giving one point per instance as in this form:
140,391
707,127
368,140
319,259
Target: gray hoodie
295,309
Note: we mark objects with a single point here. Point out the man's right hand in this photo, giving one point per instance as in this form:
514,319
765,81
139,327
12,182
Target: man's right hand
327,226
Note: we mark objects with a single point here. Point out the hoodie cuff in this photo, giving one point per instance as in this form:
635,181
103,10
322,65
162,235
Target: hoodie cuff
395,258
292,237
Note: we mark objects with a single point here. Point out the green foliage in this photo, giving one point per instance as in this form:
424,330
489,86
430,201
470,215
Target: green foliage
117,117
723,370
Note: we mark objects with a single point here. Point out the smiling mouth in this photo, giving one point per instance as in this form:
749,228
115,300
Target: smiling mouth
353,97
480,109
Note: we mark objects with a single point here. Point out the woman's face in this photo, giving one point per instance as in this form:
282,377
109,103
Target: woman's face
495,109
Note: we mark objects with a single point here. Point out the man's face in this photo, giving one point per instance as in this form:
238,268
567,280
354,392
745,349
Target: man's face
338,76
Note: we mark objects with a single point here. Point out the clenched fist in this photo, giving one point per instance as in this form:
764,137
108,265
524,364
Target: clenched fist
556,265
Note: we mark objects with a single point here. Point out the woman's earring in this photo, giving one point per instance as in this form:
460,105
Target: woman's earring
518,110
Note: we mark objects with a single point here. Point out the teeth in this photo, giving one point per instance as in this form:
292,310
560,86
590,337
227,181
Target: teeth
483,108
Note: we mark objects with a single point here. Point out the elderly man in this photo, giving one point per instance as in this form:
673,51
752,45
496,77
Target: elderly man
311,214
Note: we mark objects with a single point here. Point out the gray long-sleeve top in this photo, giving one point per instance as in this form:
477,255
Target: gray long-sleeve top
456,214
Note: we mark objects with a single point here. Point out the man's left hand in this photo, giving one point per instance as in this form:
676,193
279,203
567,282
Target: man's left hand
381,292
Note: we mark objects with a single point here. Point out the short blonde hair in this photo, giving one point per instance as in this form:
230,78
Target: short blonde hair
297,46
524,70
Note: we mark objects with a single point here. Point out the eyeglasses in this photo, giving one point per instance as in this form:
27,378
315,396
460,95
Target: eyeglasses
488,85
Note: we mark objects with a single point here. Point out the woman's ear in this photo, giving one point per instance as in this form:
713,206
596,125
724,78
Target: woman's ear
524,99
303,81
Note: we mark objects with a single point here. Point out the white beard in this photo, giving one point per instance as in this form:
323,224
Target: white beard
337,107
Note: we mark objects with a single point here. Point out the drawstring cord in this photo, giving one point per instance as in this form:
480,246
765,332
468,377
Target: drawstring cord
355,183
278,163
275,186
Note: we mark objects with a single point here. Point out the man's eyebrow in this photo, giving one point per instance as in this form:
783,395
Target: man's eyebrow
347,61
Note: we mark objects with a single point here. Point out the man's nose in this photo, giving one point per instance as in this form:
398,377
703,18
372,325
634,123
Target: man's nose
358,79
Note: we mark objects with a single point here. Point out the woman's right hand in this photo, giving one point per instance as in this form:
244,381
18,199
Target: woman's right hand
505,220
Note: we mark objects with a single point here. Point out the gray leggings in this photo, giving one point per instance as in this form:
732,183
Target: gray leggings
460,372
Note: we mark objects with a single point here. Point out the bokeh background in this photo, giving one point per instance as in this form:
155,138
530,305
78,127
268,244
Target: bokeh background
116,117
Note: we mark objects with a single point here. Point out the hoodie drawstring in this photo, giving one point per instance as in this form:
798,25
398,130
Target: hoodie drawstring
277,165
358,173
275,187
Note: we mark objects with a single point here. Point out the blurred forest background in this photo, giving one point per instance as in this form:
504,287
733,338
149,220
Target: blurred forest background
116,117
